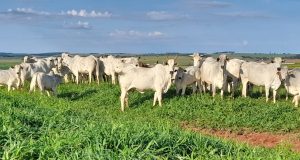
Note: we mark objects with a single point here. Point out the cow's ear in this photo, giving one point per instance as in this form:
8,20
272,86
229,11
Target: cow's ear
218,59
166,63
12,67
123,61
272,61
283,61
156,62
139,57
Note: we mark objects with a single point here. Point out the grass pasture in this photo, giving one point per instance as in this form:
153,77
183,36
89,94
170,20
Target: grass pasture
85,122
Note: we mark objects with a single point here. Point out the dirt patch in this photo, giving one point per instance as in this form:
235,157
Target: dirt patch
262,139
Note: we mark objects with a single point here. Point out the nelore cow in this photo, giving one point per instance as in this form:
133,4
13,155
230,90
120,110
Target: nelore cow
29,59
267,75
186,77
82,65
213,72
157,79
42,65
292,84
233,68
45,82
11,77
108,64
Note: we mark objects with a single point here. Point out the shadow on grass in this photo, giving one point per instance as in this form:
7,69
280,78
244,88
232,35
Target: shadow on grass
73,96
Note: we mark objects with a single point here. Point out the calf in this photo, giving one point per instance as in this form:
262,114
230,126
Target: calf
185,77
48,82
11,77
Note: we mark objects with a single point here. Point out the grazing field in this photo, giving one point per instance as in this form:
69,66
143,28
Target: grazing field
85,122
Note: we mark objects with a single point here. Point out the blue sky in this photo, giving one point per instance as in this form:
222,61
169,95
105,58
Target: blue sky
146,26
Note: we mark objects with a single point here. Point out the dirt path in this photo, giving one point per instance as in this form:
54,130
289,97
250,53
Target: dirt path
262,139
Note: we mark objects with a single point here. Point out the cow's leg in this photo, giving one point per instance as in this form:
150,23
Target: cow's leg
297,100
126,100
198,84
122,99
9,87
154,99
226,85
90,77
222,93
267,88
177,90
113,78
203,85
234,85
244,91
213,89
48,93
194,86
274,95
159,97
183,90
77,77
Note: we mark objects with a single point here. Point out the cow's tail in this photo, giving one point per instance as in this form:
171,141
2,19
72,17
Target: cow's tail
33,82
97,70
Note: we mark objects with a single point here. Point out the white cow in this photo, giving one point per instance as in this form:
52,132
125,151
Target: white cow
157,78
110,61
197,59
82,65
267,75
233,68
185,77
212,72
64,71
292,84
29,59
11,77
48,82
42,65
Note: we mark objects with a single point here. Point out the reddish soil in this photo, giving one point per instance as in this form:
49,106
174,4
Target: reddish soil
262,139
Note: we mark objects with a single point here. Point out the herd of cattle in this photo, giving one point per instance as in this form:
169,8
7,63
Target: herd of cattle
206,74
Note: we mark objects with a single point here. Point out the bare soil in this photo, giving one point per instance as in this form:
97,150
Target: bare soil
261,139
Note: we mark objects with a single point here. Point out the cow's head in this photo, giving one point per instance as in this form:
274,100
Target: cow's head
278,60
197,58
222,59
282,72
17,68
180,72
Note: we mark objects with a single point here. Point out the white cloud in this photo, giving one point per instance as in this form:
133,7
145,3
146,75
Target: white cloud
73,13
27,11
163,15
78,25
84,13
207,3
136,34
244,15
155,34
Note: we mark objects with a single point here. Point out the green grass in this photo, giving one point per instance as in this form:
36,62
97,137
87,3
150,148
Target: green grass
85,122
5,63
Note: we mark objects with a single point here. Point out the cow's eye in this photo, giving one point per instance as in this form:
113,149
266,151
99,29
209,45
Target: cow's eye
175,71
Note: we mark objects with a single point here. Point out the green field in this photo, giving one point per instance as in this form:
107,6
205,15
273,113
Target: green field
85,122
